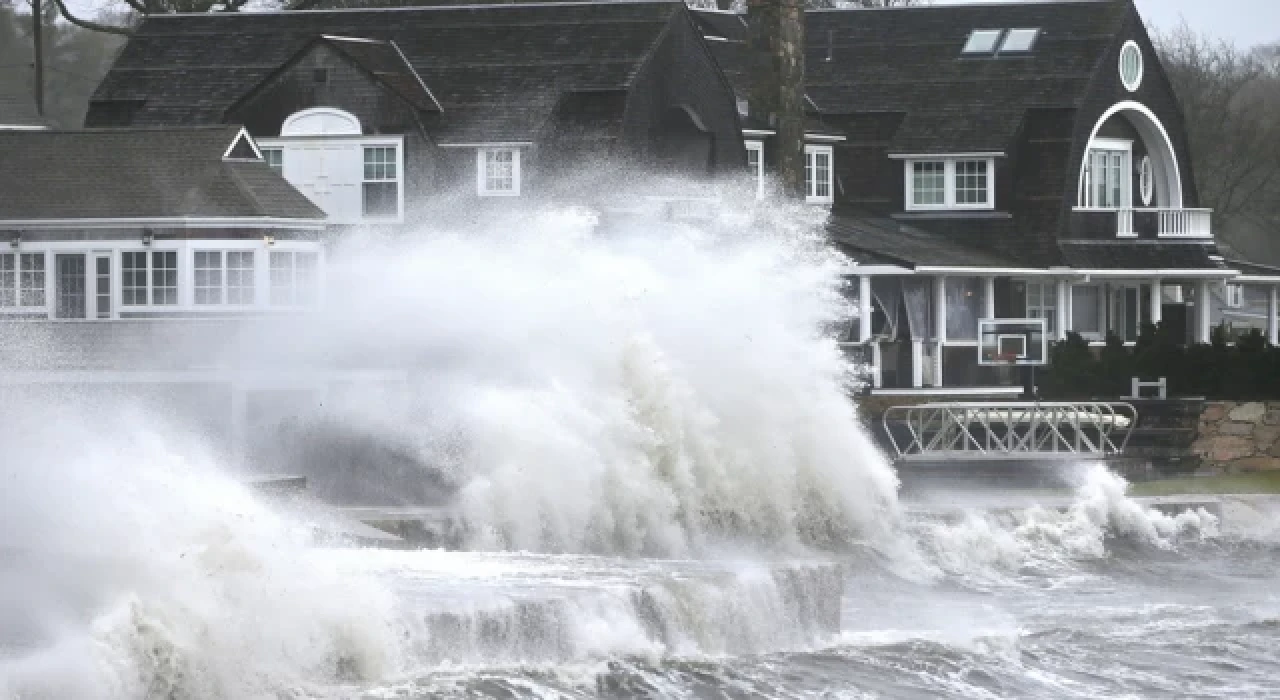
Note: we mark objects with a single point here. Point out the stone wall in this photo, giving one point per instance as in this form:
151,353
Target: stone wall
1236,436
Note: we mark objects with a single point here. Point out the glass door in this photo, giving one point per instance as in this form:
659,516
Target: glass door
69,270
102,285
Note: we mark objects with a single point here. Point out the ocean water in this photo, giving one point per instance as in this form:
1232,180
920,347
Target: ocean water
646,430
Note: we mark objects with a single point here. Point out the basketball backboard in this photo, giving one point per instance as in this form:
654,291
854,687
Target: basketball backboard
1013,341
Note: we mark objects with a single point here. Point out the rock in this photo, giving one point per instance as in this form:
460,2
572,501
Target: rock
1232,428
1248,412
1256,464
1225,448
1213,412
1264,436
1272,417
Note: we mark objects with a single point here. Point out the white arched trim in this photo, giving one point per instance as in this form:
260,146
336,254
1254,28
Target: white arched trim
1164,159
321,121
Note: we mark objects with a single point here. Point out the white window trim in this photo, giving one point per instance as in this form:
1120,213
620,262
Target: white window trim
361,142
1234,296
949,177
815,150
482,185
182,270
1104,144
262,265
1131,48
1050,312
18,308
224,304
757,147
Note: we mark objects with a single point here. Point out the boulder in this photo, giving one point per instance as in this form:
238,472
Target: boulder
1265,436
1225,448
1256,464
1233,428
1213,412
1252,412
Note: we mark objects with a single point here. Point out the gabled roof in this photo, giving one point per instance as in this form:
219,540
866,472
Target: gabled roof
186,172
908,60
18,108
498,71
890,241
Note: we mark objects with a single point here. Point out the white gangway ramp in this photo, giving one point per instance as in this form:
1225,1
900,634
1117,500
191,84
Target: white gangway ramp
1019,430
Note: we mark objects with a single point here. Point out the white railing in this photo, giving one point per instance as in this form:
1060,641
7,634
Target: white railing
1170,223
1192,223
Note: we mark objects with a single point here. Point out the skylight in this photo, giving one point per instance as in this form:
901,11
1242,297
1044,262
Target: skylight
983,41
1019,40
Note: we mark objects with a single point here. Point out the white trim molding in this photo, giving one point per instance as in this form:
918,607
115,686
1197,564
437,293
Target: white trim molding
975,155
949,185
1168,181
758,132
488,144
161,222
242,134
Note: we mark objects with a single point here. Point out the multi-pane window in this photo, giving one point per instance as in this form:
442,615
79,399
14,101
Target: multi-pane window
381,182
498,171
1235,296
102,285
1106,175
1042,302
294,278
149,278
22,278
224,277
817,174
1086,310
950,184
273,157
971,182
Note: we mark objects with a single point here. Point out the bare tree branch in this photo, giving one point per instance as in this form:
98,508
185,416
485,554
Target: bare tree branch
89,24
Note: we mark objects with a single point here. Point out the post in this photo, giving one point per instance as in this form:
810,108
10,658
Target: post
940,325
37,39
1157,301
917,363
989,297
864,309
1273,315
1060,309
1204,314
877,380
775,46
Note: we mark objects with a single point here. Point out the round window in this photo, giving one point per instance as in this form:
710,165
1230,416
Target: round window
1131,66
1146,181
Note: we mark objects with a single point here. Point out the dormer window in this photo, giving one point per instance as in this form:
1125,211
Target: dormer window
1019,40
951,183
498,172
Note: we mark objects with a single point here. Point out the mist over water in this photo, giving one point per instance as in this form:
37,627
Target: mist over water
645,428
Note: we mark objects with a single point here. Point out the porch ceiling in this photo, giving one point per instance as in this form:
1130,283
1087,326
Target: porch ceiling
892,240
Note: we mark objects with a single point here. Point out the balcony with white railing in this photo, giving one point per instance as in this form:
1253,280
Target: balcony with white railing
1148,222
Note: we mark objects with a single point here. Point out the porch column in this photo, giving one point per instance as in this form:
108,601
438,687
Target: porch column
917,363
877,380
940,319
864,309
1273,315
1204,315
1060,310
1157,301
989,297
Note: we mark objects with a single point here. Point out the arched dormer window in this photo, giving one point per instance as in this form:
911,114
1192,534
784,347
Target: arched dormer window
354,178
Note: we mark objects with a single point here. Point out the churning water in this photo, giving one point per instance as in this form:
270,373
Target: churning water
645,427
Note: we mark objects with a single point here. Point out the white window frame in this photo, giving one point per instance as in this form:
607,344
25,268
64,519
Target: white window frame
1235,296
482,172
18,273
1123,146
224,284
972,48
275,161
1146,181
292,302
756,147
949,185
149,254
397,162
811,153
1131,52
1050,312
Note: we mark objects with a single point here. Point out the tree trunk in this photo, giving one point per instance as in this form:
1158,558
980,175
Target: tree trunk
775,42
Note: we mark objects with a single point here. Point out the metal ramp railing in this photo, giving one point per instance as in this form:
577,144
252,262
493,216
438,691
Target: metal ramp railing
1022,430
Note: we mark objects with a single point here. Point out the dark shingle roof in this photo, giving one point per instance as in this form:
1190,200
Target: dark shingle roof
908,60
898,243
1248,240
17,108
1148,255
498,71
139,173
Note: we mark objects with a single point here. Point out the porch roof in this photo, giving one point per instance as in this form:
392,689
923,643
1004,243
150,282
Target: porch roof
893,241
1140,255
